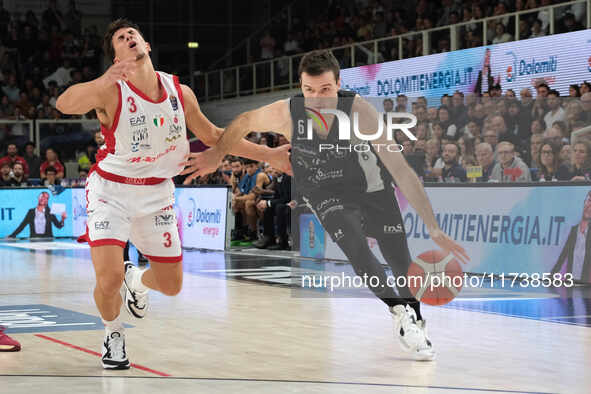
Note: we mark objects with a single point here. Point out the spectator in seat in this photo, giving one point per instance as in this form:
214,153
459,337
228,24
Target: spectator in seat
452,171
5,178
536,29
501,35
586,107
51,178
491,137
509,168
51,161
565,155
33,161
535,143
18,175
550,168
486,159
553,135
12,157
569,24
432,148
251,186
555,113
580,169
574,91
276,209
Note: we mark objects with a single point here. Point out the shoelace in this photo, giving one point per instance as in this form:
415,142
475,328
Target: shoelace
116,348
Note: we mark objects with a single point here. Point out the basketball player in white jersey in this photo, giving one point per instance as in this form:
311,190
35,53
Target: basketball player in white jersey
130,194
345,188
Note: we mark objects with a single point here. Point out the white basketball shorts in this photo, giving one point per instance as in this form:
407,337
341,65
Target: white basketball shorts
143,214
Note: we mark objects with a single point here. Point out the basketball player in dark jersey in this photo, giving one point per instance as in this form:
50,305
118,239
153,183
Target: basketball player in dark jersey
347,188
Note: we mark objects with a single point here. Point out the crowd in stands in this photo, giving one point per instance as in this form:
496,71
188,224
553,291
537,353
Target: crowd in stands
39,58
346,22
500,137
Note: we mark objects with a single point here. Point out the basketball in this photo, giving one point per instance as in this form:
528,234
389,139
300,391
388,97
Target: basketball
435,277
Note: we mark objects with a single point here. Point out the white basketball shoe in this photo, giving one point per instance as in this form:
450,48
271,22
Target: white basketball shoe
135,301
114,355
412,334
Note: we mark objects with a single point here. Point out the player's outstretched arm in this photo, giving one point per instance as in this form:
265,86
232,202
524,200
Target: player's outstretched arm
273,117
83,97
210,134
406,179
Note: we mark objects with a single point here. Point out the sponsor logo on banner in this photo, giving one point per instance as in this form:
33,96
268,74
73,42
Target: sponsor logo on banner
6,213
140,139
165,219
137,120
532,66
158,120
197,215
174,103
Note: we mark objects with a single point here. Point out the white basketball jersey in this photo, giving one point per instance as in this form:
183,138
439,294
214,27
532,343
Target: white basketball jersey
148,138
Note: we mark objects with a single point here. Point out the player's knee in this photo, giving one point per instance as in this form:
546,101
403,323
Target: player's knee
110,285
171,286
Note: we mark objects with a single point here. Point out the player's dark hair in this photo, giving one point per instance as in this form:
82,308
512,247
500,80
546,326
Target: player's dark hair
111,29
235,159
250,161
318,62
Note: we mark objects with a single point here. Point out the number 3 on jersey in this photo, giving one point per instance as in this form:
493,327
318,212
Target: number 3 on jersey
132,107
167,240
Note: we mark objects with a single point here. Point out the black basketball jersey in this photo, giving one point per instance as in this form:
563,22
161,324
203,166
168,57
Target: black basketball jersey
344,170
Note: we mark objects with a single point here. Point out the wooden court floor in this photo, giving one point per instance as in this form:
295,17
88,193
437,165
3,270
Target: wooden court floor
239,326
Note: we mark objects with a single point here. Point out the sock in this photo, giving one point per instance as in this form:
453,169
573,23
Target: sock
417,307
138,284
114,325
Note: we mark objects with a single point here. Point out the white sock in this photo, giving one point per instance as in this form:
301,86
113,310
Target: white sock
114,325
138,284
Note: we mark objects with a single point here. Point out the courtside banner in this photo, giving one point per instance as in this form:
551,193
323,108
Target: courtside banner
38,212
503,229
518,64
201,216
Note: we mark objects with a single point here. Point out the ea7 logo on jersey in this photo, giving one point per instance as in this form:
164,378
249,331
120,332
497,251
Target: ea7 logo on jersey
164,219
137,120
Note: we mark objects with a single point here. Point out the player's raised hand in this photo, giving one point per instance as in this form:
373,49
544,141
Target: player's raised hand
122,70
201,164
449,245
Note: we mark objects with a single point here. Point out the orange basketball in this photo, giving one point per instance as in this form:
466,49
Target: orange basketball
435,277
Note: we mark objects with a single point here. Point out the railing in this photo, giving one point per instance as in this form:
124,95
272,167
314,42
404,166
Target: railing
17,122
91,124
281,73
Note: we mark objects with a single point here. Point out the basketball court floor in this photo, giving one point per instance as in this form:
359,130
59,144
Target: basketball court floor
243,324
